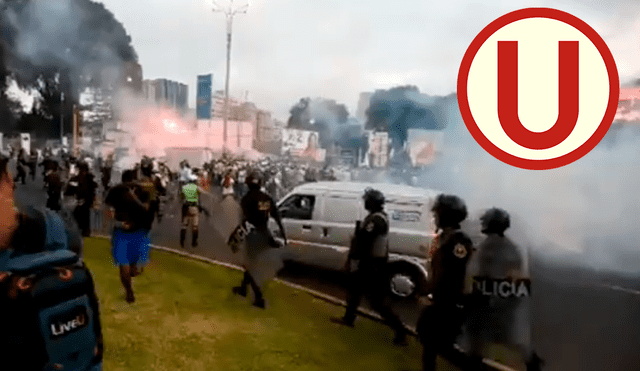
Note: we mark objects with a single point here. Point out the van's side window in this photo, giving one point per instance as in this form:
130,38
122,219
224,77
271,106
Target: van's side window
298,207
339,209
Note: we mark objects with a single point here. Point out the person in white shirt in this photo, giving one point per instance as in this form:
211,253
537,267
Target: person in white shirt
228,185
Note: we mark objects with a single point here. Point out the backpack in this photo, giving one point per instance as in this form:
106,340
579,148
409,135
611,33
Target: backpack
48,306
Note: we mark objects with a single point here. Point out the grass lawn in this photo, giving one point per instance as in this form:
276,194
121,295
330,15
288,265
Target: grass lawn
186,318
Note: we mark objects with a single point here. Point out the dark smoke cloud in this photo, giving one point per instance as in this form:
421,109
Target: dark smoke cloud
325,116
584,213
67,44
401,108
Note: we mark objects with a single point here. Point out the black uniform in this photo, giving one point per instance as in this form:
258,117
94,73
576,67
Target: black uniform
257,208
83,187
54,189
441,322
370,250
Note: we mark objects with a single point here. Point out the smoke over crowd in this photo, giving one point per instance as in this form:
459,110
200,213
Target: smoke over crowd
401,108
322,115
155,127
584,213
58,46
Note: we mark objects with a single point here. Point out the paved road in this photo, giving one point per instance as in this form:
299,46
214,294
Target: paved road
580,323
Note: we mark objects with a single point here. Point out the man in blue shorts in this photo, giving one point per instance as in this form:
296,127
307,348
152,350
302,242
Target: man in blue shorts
130,238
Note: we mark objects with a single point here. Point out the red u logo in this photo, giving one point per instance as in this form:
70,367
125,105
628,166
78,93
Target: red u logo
568,103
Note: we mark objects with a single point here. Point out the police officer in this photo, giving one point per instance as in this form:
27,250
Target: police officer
191,209
441,321
147,182
83,187
369,252
501,285
257,208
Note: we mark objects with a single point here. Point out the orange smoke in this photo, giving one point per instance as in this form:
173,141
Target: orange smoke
154,128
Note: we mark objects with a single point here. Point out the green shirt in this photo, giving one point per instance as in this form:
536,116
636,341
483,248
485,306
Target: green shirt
190,192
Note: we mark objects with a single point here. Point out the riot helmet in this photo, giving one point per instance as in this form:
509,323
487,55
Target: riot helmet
373,200
146,166
496,221
449,211
254,180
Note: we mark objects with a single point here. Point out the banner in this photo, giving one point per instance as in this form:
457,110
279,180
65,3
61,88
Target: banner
203,97
378,154
302,143
424,146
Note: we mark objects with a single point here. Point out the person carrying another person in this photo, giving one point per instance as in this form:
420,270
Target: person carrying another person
129,205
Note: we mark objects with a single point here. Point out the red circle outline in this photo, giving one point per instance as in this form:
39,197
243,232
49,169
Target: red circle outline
605,53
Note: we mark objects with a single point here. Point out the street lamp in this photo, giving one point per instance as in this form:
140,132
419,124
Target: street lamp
229,13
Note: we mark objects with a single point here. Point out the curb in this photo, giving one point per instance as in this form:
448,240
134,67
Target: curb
319,295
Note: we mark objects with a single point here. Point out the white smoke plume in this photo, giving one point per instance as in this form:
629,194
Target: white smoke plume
585,212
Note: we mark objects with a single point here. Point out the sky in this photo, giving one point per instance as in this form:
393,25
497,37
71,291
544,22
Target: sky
284,50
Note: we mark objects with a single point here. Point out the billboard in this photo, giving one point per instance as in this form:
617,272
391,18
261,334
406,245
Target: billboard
378,154
203,97
628,106
424,146
303,144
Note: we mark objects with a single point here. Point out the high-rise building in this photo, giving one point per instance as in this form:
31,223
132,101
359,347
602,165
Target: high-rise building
166,92
363,105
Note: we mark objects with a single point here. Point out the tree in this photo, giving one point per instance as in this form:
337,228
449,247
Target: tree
58,47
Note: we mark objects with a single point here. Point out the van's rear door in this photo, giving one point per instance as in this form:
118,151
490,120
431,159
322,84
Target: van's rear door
411,227
340,212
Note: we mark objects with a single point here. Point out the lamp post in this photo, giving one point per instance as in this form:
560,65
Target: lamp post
229,13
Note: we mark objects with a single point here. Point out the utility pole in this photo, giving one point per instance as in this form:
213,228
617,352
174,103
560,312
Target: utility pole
229,12
61,118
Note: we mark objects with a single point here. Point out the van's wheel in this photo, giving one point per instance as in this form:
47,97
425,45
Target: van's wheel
404,281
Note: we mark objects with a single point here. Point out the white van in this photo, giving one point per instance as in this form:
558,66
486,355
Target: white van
320,217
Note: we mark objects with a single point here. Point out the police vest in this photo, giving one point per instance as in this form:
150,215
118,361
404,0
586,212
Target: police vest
380,245
190,192
498,276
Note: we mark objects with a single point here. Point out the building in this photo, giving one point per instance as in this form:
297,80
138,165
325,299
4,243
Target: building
363,105
166,92
218,105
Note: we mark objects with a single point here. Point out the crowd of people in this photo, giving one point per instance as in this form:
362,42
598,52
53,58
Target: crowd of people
136,200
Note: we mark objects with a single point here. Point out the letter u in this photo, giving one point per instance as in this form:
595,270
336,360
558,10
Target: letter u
568,98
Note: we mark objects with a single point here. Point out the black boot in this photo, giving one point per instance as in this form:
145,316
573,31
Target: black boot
535,363
401,338
342,321
259,303
194,238
240,290
183,236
